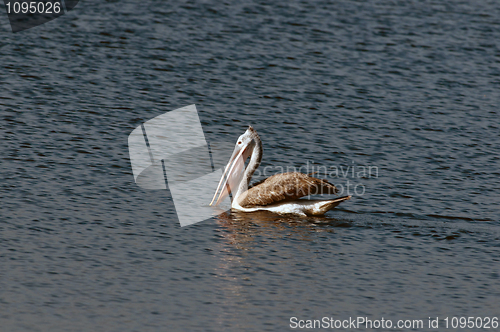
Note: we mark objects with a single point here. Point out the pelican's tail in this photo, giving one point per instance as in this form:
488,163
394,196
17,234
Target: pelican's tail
321,207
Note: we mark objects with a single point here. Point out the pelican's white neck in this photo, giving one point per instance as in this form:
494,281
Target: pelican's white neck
253,164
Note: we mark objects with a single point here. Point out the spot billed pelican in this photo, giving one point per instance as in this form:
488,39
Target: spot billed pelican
279,193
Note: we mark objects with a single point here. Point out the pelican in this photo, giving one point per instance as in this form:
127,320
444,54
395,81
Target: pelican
279,193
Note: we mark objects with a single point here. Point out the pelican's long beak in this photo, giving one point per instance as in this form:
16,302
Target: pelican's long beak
232,172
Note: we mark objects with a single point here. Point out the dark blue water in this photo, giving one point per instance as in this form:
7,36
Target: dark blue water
411,88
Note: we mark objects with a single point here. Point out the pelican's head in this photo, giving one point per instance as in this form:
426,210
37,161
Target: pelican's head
233,171
247,140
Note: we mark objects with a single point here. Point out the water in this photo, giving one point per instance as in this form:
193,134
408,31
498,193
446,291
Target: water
410,88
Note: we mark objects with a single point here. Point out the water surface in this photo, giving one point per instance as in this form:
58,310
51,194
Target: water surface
410,88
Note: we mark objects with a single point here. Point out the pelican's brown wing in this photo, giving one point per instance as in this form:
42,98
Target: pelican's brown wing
284,187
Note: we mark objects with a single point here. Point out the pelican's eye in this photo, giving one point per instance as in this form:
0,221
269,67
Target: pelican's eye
239,142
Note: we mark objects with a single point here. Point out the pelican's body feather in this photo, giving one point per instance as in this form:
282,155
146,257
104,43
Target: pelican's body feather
284,187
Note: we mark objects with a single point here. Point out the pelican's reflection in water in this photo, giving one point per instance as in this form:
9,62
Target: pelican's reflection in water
260,255
242,228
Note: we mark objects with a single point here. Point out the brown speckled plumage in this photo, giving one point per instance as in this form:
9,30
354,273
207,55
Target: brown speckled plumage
284,187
